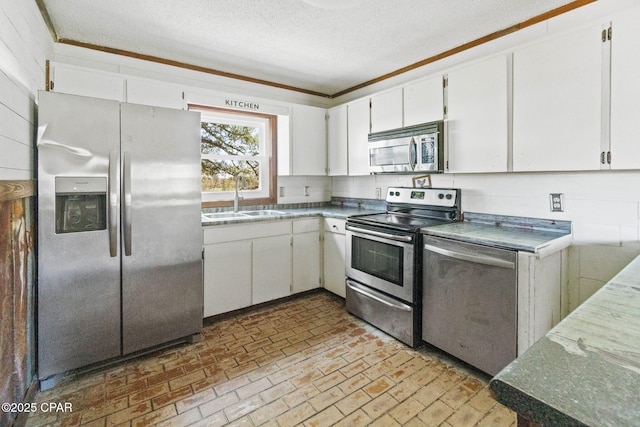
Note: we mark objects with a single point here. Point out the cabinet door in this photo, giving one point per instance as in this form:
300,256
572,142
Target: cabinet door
477,121
227,277
386,110
334,267
337,141
625,91
306,261
156,93
557,103
358,130
271,268
85,82
423,101
308,140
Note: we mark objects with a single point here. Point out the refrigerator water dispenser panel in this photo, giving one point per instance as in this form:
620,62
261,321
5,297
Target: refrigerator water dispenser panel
81,204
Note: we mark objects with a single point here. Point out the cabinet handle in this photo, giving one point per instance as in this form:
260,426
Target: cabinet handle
602,157
609,157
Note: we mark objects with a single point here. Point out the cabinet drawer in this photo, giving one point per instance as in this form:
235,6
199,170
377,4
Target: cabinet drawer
230,233
335,225
306,225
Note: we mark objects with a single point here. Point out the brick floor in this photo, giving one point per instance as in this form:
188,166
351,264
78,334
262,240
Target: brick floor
301,362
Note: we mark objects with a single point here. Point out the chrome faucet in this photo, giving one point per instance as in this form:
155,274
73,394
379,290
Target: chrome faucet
237,197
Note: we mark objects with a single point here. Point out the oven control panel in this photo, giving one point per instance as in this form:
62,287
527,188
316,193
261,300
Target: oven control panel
423,196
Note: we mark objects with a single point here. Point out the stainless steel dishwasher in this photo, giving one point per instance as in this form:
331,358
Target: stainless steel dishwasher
469,302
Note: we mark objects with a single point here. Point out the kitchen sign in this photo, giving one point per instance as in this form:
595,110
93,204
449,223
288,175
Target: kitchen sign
236,104
242,105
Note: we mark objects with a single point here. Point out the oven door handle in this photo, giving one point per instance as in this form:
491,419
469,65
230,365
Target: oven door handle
380,298
405,239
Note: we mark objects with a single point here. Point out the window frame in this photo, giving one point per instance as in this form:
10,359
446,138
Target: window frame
271,142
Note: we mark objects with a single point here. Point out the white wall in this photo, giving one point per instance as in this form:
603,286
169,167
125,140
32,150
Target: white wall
25,45
604,208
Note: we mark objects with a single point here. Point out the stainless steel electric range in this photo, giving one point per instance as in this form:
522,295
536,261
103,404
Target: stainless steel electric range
384,258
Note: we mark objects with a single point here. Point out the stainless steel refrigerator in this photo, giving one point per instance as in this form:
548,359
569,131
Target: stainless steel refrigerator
119,230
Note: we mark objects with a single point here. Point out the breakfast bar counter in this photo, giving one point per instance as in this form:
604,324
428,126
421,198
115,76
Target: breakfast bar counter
586,370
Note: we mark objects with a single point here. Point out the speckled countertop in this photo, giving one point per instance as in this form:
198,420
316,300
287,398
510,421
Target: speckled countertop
330,211
586,370
508,232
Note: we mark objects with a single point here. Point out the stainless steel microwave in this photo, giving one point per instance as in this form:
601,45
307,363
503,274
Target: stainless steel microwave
415,148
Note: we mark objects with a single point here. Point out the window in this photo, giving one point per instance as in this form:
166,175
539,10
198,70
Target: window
234,143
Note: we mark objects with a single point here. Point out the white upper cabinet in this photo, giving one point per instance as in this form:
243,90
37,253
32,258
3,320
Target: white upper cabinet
153,92
84,82
477,117
308,140
337,149
625,91
557,109
358,137
423,101
386,110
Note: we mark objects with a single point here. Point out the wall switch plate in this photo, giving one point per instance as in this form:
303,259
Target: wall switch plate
306,190
557,202
378,193
281,191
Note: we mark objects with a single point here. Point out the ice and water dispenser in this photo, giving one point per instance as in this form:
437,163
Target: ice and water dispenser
81,204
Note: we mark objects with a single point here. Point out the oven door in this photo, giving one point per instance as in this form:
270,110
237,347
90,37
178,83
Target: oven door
381,260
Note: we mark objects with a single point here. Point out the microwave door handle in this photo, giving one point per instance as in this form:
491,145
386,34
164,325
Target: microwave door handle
413,155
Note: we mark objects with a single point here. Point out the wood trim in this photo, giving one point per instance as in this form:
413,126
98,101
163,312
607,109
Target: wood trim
189,66
14,190
273,159
47,19
474,43
493,36
47,75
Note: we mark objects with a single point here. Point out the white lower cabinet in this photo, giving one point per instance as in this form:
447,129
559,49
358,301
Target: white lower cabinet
334,256
271,268
246,264
306,255
227,277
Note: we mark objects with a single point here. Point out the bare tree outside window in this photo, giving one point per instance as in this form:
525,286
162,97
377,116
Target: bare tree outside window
229,140
232,143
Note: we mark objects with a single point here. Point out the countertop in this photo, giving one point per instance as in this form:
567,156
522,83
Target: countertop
586,370
508,232
341,212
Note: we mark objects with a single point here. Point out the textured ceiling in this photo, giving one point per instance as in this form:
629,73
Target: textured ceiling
290,42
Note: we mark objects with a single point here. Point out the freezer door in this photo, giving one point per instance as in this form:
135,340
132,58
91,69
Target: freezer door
162,291
78,278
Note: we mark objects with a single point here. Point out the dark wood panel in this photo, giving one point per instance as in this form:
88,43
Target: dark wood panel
13,190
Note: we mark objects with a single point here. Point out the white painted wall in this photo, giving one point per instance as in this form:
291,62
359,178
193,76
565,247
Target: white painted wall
25,45
603,206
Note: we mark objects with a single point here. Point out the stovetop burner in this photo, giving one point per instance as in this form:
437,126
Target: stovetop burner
410,209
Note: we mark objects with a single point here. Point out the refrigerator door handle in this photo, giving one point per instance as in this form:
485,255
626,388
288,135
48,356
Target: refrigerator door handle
113,203
126,189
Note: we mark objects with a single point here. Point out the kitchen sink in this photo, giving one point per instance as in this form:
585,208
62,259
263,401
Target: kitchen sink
222,215
265,212
242,214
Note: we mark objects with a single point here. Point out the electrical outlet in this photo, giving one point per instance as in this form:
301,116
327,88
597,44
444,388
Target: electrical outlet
378,193
306,190
557,202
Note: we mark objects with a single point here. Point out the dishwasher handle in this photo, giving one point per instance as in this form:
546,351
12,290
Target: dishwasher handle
478,259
